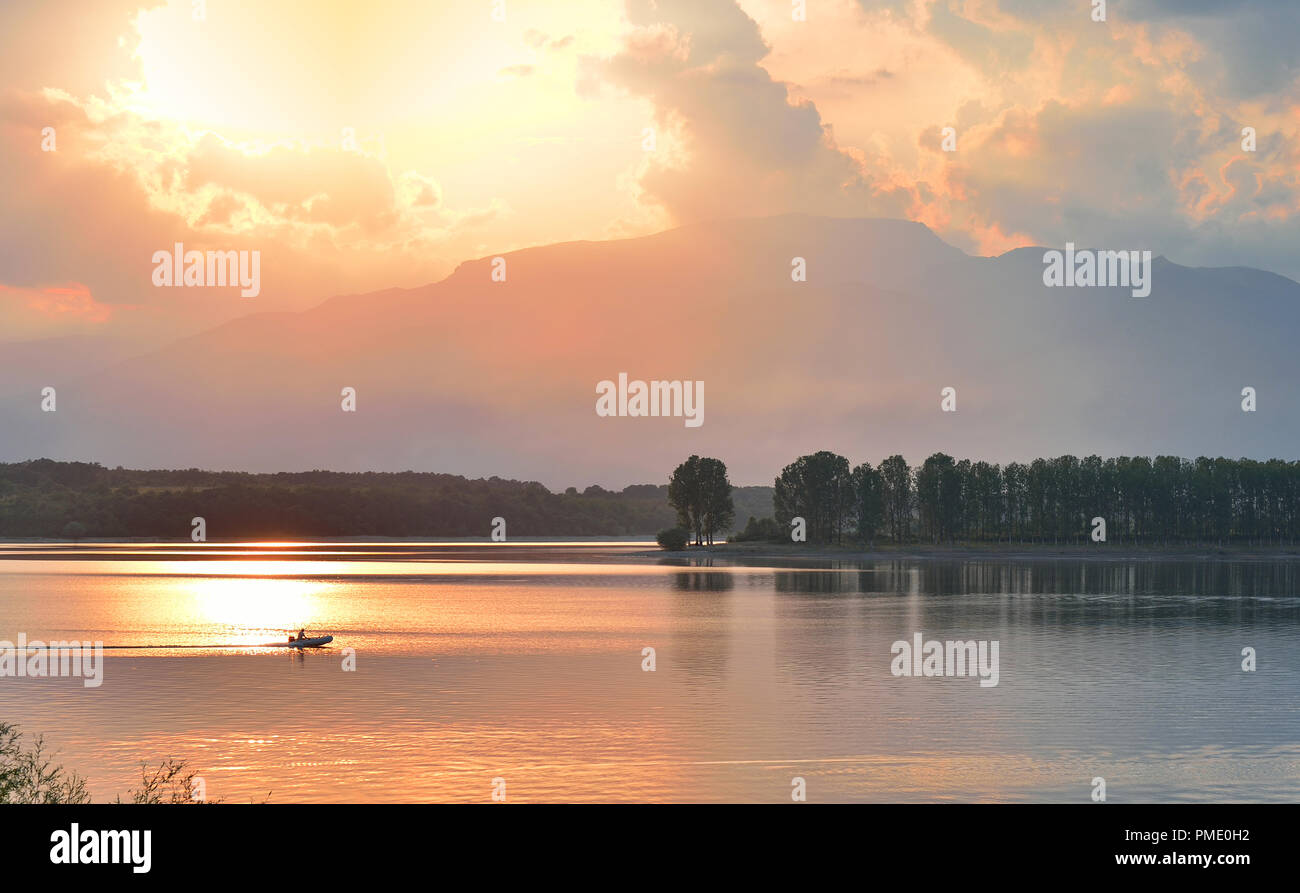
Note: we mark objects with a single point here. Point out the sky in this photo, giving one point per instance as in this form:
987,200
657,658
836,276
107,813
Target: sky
363,146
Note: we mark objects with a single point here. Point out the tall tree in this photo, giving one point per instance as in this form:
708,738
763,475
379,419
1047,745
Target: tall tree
701,493
818,488
685,489
939,497
868,501
717,511
897,494
1014,481
986,490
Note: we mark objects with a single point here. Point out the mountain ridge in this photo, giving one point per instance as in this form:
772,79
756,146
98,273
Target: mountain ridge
458,374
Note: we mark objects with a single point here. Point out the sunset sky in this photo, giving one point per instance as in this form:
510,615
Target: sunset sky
475,136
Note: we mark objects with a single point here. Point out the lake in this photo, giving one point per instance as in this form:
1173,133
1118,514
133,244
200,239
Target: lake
524,662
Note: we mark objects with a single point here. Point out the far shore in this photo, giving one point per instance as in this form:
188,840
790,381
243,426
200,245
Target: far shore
959,551
295,539
750,550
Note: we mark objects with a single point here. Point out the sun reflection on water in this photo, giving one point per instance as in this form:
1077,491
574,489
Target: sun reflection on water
255,609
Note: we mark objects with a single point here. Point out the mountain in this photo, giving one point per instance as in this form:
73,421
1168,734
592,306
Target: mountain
28,366
475,377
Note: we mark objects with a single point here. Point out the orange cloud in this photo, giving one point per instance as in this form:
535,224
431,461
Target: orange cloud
54,309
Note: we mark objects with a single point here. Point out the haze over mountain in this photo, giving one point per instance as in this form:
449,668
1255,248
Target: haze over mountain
474,377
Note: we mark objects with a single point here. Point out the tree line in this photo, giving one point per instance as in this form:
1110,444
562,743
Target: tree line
1164,500
44,498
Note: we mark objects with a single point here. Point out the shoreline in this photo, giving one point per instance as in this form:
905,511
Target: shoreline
643,548
578,540
1017,552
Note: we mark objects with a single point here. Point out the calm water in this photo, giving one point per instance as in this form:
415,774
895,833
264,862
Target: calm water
525,662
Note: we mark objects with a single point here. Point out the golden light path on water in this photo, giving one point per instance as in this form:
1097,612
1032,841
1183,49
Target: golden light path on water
252,608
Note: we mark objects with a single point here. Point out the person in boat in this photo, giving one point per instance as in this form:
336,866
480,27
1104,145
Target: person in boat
302,634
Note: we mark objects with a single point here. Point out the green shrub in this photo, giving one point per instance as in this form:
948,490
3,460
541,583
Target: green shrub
673,539
759,530
27,776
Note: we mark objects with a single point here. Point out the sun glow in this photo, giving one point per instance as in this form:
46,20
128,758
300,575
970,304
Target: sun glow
256,607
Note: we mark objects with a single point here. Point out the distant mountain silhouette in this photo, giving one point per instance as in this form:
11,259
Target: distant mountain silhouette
474,377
